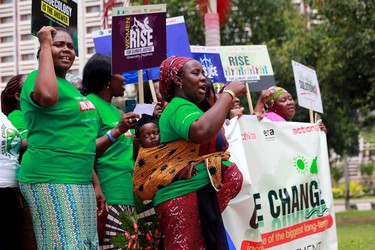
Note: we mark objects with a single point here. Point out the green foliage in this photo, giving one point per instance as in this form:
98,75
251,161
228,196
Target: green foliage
337,39
336,174
355,190
367,169
338,192
138,234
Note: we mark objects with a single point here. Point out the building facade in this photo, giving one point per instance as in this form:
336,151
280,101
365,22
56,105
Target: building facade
18,47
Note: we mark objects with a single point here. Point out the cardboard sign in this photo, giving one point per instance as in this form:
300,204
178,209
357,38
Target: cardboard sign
138,37
307,87
209,57
55,13
250,63
177,43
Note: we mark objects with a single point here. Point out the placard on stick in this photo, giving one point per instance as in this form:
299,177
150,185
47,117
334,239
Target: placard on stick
138,37
56,14
307,87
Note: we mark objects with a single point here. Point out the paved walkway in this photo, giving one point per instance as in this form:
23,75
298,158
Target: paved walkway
359,204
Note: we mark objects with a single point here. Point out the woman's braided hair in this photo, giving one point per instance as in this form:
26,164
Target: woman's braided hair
8,100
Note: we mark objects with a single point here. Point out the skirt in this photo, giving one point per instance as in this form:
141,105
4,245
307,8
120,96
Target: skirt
64,215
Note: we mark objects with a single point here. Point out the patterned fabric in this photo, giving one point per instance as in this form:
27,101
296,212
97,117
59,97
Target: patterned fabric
64,215
179,217
113,225
273,98
156,167
168,71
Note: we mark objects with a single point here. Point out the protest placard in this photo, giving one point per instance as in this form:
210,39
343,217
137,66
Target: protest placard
250,63
56,14
138,37
307,87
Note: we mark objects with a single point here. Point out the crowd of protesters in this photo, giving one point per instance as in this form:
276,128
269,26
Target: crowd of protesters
75,159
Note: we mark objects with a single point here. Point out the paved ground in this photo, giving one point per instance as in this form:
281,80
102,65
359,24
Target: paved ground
360,204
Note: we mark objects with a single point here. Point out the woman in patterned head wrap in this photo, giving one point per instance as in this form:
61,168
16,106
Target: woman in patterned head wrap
189,209
279,106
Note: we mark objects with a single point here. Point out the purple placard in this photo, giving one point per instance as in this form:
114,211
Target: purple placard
138,37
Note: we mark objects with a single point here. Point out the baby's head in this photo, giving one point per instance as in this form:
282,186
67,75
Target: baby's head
147,131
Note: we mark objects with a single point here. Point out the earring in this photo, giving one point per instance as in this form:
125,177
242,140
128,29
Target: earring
109,83
181,86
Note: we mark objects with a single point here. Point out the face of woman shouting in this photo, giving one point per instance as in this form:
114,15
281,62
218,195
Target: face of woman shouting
191,82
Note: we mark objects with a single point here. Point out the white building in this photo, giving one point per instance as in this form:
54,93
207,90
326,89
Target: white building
18,47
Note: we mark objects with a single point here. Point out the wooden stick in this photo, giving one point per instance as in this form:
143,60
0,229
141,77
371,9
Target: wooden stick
311,112
249,101
152,88
141,97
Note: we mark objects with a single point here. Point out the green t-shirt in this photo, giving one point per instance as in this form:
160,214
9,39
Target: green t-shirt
61,140
174,123
16,118
116,166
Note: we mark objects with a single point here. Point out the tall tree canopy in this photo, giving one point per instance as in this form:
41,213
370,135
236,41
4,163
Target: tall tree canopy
336,38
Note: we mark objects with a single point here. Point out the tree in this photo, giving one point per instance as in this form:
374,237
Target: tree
337,40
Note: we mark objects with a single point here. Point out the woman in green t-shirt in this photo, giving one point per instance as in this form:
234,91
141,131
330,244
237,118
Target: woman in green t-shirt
114,160
57,167
10,105
189,211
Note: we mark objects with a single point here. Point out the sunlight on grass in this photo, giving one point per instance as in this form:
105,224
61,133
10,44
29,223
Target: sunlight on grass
355,229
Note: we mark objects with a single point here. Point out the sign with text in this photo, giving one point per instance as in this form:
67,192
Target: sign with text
138,37
209,57
103,45
307,87
250,63
55,13
177,42
286,198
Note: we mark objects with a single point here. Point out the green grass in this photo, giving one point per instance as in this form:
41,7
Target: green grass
355,230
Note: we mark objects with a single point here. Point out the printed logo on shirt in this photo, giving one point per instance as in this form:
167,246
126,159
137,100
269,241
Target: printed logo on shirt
86,105
10,142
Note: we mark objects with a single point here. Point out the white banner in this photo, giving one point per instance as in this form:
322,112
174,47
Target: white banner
286,199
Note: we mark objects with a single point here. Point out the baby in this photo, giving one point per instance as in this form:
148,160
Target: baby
147,133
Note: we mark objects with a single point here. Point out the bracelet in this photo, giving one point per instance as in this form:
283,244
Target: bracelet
230,92
110,136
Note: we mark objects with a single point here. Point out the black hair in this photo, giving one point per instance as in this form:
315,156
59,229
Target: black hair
144,120
8,101
96,73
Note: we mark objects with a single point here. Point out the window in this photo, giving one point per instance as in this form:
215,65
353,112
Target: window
6,39
7,19
91,29
26,37
25,17
90,50
27,57
5,1
7,59
6,78
93,9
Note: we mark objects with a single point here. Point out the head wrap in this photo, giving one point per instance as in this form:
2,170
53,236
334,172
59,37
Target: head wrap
168,71
144,120
273,98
